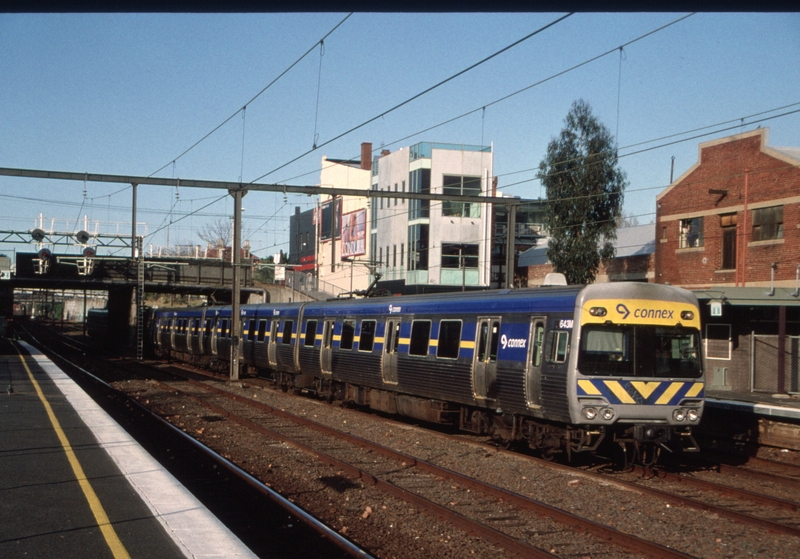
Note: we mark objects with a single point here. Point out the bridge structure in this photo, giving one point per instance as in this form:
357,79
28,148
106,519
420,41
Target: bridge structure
124,278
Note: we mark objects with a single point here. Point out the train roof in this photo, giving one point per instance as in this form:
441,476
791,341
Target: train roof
551,299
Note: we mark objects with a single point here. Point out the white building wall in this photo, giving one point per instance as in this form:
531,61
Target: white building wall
346,276
393,223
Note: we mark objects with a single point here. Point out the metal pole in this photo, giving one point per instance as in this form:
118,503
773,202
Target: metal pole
511,238
236,322
133,221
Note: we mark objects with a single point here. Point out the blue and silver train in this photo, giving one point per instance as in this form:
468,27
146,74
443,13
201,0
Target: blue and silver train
565,369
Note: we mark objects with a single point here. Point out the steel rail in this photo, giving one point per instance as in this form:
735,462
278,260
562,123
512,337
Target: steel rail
608,534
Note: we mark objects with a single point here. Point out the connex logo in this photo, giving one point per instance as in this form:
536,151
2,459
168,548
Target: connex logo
512,342
395,309
623,310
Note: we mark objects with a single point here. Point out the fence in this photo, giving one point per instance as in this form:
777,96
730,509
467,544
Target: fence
764,364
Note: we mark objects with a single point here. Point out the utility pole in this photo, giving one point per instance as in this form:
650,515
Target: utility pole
236,321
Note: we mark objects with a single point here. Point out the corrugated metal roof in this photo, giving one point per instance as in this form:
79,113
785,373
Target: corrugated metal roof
631,241
750,296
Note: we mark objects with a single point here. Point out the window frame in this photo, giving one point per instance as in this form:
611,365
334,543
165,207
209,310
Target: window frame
451,345
416,337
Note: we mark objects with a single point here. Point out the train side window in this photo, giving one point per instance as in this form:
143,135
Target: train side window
449,339
262,330
209,327
251,329
557,346
348,333
311,333
420,337
538,341
287,331
367,339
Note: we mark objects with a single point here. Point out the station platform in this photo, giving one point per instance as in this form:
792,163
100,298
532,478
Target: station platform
771,406
73,483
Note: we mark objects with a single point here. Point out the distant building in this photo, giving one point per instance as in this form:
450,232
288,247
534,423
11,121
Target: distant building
529,231
634,260
729,229
418,245
732,219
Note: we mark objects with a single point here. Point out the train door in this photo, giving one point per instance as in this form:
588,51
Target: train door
208,333
325,361
391,341
272,346
533,368
173,325
484,364
214,334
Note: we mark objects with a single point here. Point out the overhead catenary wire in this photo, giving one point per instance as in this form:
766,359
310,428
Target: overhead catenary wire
496,101
418,95
256,96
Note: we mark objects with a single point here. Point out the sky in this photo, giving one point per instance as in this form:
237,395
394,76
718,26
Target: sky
129,94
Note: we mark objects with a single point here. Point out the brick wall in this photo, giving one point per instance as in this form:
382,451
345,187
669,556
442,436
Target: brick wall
714,190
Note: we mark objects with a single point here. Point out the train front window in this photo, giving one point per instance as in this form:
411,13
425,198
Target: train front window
640,351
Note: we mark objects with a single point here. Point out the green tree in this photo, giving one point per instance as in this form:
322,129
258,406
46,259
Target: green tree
584,189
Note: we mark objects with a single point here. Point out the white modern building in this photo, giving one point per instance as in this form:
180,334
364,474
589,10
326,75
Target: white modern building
419,244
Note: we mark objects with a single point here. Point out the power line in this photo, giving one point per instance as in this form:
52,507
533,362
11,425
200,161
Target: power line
256,96
418,95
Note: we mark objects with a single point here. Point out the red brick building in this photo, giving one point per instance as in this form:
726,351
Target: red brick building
732,219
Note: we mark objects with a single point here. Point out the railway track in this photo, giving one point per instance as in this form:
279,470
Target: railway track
189,404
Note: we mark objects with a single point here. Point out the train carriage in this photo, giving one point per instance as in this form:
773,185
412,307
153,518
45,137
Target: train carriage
563,368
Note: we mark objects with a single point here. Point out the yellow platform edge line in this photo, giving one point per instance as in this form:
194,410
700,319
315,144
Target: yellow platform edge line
110,535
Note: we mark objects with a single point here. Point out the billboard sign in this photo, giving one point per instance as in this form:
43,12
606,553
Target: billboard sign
354,233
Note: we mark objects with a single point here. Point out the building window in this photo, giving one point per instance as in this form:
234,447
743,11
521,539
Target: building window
402,254
768,223
718,341
728,224
394,256
453,253
691,232
453,185
418,247
419,181
395,190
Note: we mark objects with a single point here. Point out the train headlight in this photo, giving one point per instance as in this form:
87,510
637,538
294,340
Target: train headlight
693,415
679,415
598,311
607,414
589,413
687,315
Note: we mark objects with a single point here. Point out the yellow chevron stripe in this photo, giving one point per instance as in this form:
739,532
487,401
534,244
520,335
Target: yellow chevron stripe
589,387
433,343
670,392
694,390
466,344
645,388
619,392
405,341
380,340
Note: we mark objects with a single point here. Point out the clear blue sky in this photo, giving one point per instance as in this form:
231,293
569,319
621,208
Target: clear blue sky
127,94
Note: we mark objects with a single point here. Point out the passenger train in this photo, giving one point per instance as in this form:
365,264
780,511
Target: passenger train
564,369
